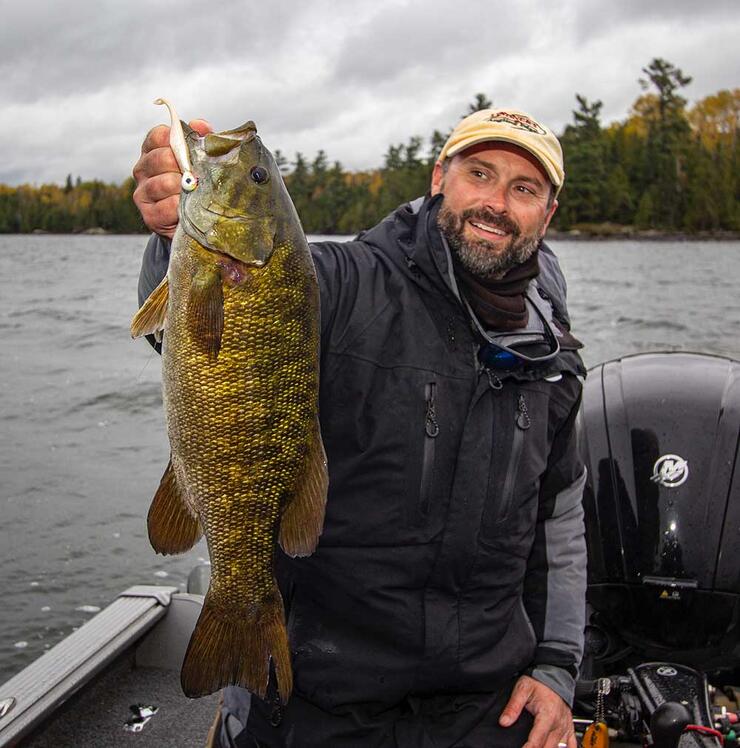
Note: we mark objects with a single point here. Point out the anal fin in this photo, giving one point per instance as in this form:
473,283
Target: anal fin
152,315
303,518
172,526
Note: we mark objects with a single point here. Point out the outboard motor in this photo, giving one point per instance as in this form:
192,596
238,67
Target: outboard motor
662,502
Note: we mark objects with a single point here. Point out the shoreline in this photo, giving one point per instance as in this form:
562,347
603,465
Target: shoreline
607,233
650,235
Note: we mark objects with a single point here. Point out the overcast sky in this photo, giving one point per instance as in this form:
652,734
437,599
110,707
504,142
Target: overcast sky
77,78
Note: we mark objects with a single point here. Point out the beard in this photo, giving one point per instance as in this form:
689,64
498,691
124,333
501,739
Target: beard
486,259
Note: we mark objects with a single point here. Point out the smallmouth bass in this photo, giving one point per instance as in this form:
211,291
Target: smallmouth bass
239,311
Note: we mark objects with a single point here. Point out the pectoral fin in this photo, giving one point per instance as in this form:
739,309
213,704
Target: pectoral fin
150,319
303,518
206,310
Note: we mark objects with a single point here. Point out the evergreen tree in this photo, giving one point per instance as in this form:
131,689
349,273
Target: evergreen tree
481,101
585,152
667,142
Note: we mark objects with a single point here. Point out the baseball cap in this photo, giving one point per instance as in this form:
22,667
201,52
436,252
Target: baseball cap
510,126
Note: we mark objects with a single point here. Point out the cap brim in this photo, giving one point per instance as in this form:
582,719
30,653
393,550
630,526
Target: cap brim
552,174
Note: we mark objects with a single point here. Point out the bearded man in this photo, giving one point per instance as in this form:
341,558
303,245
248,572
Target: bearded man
444,605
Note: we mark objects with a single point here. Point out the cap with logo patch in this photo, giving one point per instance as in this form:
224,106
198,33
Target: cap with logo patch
509,126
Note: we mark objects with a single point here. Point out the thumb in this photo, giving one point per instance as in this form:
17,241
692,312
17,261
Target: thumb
516,703
201,126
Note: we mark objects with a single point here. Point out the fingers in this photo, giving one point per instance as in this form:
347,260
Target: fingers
158,176
155,162
549,730
157,137
201,126
161,216
517,701
158,180
553,721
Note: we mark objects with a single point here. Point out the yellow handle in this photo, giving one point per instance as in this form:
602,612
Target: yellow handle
596,736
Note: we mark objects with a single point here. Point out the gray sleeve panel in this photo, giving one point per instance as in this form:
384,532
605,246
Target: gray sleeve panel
556,679
153,265
565,603
566,563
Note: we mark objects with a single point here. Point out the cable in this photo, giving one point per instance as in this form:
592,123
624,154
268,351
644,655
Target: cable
706,731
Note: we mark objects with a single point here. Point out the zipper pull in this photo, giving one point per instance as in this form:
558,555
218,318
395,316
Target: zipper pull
493,380
523,421
431,427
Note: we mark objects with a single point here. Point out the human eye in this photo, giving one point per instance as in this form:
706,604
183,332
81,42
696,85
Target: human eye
478,173
526,192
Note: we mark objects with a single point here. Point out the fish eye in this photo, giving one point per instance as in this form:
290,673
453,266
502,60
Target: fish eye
259,174
189,181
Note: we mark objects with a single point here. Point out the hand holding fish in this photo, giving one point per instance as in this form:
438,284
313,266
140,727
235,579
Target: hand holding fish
158,178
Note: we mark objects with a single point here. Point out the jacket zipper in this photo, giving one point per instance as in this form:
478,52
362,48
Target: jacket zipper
522,422
431,432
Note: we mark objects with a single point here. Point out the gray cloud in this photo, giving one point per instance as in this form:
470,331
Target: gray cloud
77,78
70,47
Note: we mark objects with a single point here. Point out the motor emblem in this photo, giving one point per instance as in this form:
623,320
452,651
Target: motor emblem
670,471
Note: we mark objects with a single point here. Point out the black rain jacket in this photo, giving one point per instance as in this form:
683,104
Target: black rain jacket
452,557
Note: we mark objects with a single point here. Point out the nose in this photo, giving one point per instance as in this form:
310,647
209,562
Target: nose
496,198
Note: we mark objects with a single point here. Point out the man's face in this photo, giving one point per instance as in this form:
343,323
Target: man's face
496,206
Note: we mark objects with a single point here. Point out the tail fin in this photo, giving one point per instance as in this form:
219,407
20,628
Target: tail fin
229,650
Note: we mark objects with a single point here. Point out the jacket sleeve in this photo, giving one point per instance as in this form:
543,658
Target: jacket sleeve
555,583
153,265
153,269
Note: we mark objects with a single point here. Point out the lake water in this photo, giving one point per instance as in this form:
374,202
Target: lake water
83,443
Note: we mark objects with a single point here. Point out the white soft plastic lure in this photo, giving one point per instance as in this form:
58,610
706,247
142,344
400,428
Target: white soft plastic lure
177,143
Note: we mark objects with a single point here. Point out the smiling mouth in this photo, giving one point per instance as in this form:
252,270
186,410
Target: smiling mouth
488,229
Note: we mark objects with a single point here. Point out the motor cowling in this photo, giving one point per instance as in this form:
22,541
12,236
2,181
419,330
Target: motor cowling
660,439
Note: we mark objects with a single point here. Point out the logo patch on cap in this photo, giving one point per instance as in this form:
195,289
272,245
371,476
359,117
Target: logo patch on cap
520,121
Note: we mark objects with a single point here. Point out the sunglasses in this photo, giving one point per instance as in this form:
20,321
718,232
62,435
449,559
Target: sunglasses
498,355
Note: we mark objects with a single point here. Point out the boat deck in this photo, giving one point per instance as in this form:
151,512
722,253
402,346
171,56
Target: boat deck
96,715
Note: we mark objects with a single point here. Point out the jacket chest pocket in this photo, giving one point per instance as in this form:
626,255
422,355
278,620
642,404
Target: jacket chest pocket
518,460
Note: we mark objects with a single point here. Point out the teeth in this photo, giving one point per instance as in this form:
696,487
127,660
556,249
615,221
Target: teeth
490,229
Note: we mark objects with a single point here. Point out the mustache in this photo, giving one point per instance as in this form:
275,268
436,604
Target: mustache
491,218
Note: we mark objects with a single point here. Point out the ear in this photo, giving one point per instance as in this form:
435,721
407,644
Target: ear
548,217
438,178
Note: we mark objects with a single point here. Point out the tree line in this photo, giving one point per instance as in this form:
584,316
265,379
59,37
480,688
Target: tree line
665,167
